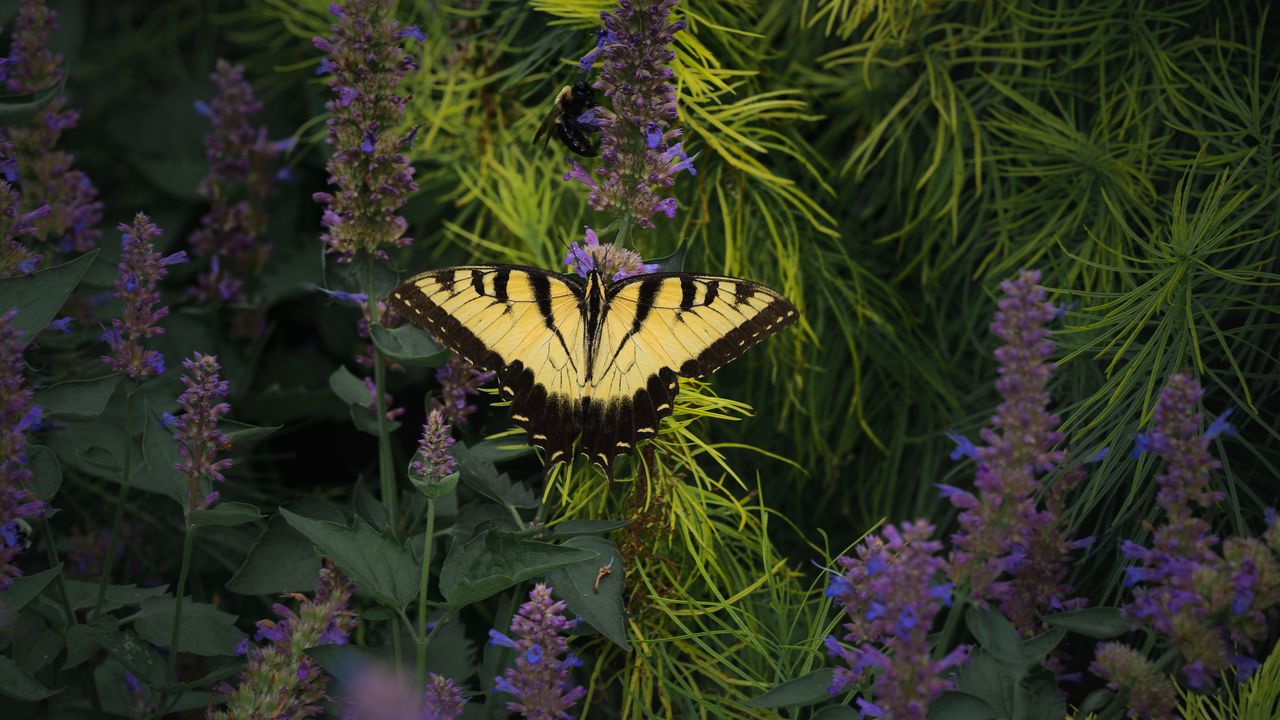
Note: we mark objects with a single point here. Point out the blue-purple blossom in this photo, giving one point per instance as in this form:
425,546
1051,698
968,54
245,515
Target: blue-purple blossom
432,461
1147,692
1214,606
459,382
280,679
611,260
640,149
891,593
241,178
16,256
370,176
1008,550
47,175
541,680
137,286
17,415
200,442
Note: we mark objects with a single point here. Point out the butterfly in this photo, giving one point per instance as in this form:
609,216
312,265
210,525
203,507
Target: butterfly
588,359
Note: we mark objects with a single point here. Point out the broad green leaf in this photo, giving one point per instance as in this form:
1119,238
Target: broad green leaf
1096,700
799,692
24,589
436,489
1035,649
995,634
242,433
482,476
226,670
572,528
409,345
837,712
82,594
956,705
995,682
349,388
227,514
1038,696
366,420
46,473
375,562
1100,623
38,297
21,108
496,450
160,452
77,398
132,652
18,684
493,561
284,560
205,629
576,585
671,263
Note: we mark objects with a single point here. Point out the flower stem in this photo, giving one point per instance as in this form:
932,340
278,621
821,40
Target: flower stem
386,474
187,541
423,581
121,499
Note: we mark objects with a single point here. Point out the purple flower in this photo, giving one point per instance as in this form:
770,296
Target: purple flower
242,174
613,261
541,679
196,429
460,381
1148,693
432,461
356,299
140,272
366,64
16,502
280,679
47,175
891,592
376,693
639,151
16,258
1008,549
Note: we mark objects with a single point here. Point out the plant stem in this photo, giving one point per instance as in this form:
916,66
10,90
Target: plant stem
55,562
423,582
121,499
946,639
386,474
188,540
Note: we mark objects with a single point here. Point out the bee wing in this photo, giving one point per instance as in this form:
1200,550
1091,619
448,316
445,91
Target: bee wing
548,124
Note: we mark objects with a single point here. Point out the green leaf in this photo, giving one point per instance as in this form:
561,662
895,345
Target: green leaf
436,489
21,108
227,514
160,452
349,388
573,528
132,652
576,585
83,595
995,682
375,562
343,662
1035,649
798,692
836,712
24,589
366,420
496,450
956,705
671,263
409,345
77,398
493,561
284,560
18,684
1095,701
205,630
46,473
38,297
226,670
482,476
1100,623
995,634
1038,697
242,433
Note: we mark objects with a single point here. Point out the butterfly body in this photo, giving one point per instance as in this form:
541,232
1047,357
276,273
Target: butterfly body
590,360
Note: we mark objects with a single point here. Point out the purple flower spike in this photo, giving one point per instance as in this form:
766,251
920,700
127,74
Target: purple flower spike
460,381
891,592
366,64
613,261
541,679
1149,693
637,164
196,429
280,679
137,285
433,462
242,175
17,503
16,258
376,693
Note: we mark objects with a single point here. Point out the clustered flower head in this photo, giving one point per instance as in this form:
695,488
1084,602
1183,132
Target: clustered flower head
369,174
432,461
47,175
891,592
611,260
1007,550
200,442
460,380
241,176
280,679
1214,607
1147,691
140,270
640,150
16,258
376,693
17,417
541,679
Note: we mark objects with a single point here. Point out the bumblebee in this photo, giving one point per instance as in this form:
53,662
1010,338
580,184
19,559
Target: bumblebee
571,102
